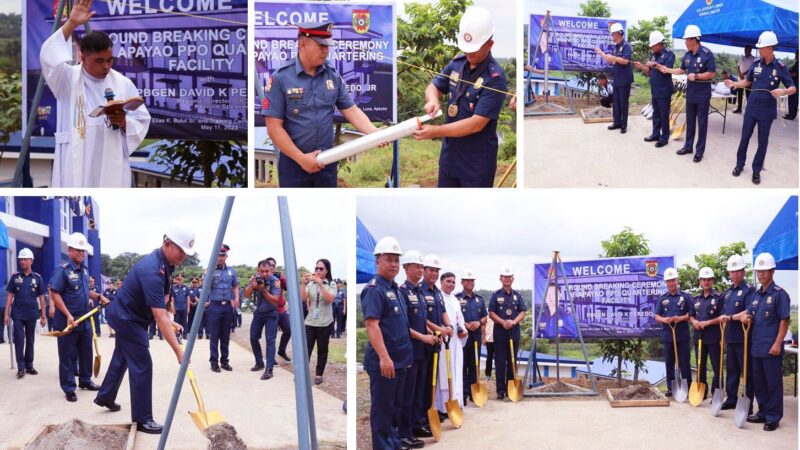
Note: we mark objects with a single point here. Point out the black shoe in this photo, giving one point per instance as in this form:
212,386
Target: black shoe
737,111
90,387
754,418
756,178
20,373
651,138
726,406
736,171
113,407
267,374
770,426
614,127
404,447
149,427
256,368
226,366
423,432
501,395
623,130
668,394
318,380
215,368
684,151
660,144
787,117
32,371
71,396
697,158
443,417
284,356
412,443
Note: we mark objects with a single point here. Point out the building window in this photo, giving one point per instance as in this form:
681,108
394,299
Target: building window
66,215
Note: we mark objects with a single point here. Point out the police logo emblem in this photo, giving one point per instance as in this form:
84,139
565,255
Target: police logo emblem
391,296
509,312
713,301
769,300
396,310
766,313
329,84
295,111
515,296
774,72
452,110
736,304
665,302
269,84
479,83
467,37
739,294
416,310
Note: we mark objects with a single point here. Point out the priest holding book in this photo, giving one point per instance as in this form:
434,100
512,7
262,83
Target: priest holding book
90,151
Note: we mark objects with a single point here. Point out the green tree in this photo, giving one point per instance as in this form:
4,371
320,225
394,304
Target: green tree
185,158
624,243
122,264
594,8
10,105
718,262
639,36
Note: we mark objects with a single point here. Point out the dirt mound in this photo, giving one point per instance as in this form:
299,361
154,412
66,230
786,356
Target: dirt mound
636,392
557,387
597,113
78,435
222,436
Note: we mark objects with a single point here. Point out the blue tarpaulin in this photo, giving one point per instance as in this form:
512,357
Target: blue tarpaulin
780,237
739,22
365,245
3,236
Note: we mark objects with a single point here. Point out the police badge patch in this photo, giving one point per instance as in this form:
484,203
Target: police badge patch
329,84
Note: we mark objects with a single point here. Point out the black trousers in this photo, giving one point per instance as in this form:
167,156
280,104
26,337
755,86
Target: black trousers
286,332
321,336
489,358
470,373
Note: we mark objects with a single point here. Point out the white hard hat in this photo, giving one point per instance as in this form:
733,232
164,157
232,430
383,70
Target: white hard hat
411,257
706,272
77,241
656,37
25,253
670,274
735,262
431,261
181,236
615,27
387,245
476,27
691,31
765,261
507,272
467,274
767,39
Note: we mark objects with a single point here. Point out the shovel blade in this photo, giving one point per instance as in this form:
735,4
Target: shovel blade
514,390
55,333
679,390
436,426
96,368
214,417
696,392
479,394
741,412
454,413
199,420
716,402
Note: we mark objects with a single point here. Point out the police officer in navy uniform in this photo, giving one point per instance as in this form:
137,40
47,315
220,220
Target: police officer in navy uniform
265,290
705,317
474,310
763,79
223,298
300,99
769,315
180,295
141,300
25,303
69,291
506,309
388,354
673,308
622,73
475,85
660,87
700,65
194,298
108,293
438,321
94,287
421,341
736,300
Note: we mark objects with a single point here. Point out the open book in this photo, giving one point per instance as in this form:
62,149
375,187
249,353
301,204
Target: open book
117,105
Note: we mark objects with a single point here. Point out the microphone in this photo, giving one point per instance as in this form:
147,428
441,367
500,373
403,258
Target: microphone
109,98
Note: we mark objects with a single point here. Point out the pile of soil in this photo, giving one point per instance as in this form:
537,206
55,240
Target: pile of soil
636,392
598,113
222,436
78,435
557,387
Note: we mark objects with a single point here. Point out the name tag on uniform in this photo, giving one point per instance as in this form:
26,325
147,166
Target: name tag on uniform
454,76
739,294
391,296
412,298
429,299
295,93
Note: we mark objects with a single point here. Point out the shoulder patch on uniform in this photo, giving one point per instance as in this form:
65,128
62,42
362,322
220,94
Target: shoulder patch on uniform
781,64
64,265
706,50
778,288
373,283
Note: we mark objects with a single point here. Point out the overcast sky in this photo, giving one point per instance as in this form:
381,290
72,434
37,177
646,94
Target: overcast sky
131,223
635,10
486,231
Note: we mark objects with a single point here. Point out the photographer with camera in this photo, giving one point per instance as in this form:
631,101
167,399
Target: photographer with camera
265,291
318,294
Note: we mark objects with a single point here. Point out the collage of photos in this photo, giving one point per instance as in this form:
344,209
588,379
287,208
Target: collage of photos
625,264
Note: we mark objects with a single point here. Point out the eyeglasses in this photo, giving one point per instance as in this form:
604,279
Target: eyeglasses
319,269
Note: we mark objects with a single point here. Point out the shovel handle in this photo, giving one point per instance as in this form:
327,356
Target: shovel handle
675,346
746,328
477,362
513,360
433,381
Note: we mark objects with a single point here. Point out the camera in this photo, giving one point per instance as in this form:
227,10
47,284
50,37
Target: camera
259,280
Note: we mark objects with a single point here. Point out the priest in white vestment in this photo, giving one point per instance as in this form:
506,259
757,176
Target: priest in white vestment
90,151
453,308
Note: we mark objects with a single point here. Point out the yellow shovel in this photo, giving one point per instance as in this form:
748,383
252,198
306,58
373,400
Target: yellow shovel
514,385
202,418
480,393
433,413
96,367
68,329
697,389
453,408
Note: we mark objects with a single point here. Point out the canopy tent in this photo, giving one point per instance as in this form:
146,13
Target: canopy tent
365,261
739,22
780,237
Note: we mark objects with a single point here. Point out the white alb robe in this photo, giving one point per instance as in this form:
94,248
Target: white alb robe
100,158
453,309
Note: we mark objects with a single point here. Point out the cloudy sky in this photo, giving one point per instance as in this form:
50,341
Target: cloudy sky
487,232
635,10
137,223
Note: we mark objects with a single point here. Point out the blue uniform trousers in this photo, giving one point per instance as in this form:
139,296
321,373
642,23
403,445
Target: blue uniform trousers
411,402
24,333
294,176
696,123
485,179
768,383
620,105
684,352
220,318
748,125
386,396
661,119
268,323
75,347
286,331
180,318
709,351
502,360
734,365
